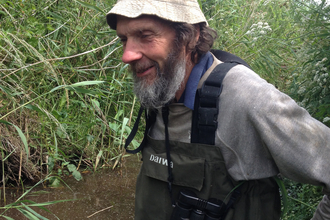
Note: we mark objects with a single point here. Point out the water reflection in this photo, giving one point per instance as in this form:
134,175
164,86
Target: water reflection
105,195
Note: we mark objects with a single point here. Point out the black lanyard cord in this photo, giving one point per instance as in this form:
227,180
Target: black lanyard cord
133,133
165,113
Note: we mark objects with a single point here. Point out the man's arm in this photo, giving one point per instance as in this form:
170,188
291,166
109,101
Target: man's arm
265,132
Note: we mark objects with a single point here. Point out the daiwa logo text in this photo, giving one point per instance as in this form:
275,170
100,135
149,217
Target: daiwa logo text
160,160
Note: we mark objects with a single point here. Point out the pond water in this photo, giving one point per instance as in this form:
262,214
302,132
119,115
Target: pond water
108,194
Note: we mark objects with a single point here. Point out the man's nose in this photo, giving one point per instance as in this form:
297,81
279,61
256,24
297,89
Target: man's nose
131,52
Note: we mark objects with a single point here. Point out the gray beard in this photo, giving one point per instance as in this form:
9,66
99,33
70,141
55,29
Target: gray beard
166,84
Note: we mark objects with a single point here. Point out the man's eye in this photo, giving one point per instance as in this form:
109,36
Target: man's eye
123,40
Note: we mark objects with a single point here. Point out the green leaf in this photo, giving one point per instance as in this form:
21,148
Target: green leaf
273,52
51,163
6,217
34,212
57,88
94,7
21,135
56,183
114,126
280,183
98,157
27,214
50,203
86,83
9,155
35,108
77,175
7,91
81,90
71,167
60,132
2,12
125,121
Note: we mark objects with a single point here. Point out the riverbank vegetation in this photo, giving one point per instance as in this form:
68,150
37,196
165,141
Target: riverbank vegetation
66,98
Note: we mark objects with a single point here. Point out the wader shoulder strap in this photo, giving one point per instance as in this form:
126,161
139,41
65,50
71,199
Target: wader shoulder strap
206,108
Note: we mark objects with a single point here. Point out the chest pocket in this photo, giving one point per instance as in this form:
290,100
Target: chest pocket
187,171
206,175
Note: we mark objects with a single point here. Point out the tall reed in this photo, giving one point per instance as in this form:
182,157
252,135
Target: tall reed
62,86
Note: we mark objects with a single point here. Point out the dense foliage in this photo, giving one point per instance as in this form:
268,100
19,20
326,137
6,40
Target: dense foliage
62,84
66,98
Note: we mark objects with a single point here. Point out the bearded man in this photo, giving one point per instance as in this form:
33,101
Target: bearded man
228,173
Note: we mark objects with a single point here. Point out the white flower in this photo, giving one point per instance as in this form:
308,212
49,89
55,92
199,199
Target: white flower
248,32
259,23
262,32
324,59
326,119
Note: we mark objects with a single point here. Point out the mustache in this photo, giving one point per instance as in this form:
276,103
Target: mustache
140,67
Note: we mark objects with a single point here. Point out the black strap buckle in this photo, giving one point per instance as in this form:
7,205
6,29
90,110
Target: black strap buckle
208,117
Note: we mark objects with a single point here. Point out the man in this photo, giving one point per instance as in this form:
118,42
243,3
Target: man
261,132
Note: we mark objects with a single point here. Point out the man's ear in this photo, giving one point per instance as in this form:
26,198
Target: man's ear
198,31
193,41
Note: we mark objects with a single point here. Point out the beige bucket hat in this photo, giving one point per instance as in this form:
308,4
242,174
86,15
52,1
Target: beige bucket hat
173,10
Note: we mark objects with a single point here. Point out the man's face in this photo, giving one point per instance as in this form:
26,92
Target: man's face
158,66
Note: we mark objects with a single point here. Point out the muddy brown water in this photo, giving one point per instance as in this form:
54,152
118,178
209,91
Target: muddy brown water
108,194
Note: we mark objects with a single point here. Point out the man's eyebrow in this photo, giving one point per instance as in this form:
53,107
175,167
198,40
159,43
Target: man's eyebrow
138,30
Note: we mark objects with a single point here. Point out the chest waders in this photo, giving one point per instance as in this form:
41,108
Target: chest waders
171,167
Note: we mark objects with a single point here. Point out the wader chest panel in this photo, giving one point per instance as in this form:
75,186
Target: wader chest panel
259,199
